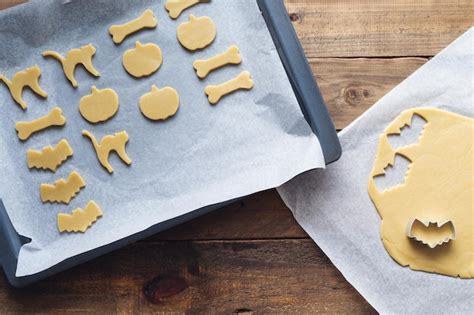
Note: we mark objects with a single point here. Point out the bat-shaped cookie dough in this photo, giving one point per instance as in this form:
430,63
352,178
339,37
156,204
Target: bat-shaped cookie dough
63,190
49,158
80,219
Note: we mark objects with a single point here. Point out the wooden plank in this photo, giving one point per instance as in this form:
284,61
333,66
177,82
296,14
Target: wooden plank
347,28
205,277
5,4
351,86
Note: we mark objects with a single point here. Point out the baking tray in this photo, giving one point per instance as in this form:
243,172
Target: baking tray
312,105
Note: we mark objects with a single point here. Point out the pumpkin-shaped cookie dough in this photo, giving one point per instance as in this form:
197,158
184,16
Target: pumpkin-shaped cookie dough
159,104
143,60
99,106
198,33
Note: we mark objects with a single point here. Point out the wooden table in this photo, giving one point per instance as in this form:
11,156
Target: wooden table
252,256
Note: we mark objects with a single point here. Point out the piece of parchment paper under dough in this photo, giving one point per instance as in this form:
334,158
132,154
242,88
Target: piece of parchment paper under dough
334,208
438,188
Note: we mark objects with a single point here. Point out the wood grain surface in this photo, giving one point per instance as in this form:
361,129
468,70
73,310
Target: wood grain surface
252,257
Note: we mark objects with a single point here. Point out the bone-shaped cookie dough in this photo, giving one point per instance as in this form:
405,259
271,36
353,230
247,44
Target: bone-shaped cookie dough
216,92
108,144
49,158
54,118
80,219
28,78
176,7
120,32
63,190
204,67
77,56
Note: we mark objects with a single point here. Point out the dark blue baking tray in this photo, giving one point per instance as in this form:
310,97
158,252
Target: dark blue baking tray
311,103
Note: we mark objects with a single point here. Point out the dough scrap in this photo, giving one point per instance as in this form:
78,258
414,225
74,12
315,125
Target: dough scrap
108,144
143,60
99,106
79,220
54,118
63,190
120,32
216,92
160,104
77,56
198,33
27,78
438,188
176,7
204,67
49,158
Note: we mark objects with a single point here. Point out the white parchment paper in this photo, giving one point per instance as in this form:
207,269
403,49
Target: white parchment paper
335,209
250,141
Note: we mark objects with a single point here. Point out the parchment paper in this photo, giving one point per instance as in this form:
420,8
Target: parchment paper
250,141
335,209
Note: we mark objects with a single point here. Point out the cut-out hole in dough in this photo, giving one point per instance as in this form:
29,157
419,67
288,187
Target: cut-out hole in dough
49,158
198,33
394,174
79,220
430,233
438,188
109,144
160,104
99,106
120,32
216,92
54,118
28,78
408,134
230,57
143,60
63,190
176,7
77,56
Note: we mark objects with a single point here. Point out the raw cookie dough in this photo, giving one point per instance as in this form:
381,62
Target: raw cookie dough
143,60
49,158
63,190
204,67
108,144
78,56
79,220
54,118
120,32
99,106
198,33
28,78
216,92
176,7
438,188
160,104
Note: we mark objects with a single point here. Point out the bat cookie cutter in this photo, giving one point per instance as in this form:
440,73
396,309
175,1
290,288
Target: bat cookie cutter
204,67
54,118
49,158
176,7
80,219
120,32
27,78
216,92
63,190
431,233
74,58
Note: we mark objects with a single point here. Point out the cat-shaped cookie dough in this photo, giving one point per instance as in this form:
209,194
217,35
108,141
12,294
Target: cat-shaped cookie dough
27,78
74,58
108,144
